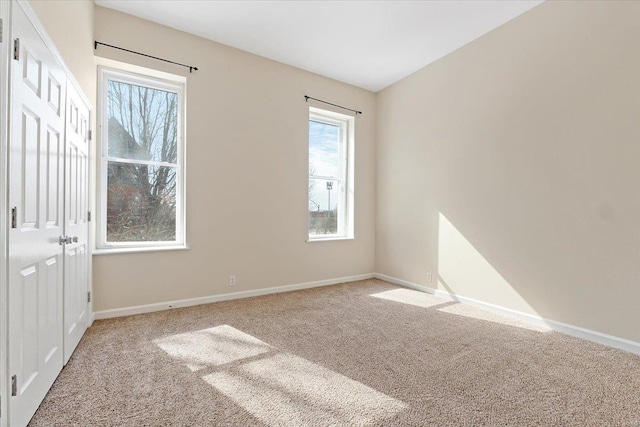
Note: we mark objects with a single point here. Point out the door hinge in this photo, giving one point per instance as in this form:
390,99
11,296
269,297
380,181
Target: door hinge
14,385
90,135
14,217
16,49
89,296
1,30
89,216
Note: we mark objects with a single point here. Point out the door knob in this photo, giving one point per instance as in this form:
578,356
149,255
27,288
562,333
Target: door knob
67,240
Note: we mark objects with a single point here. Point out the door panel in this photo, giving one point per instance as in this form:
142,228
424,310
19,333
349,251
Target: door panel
29,299
32,72
54,177
54,94
36,192
51,303
30,144
76,253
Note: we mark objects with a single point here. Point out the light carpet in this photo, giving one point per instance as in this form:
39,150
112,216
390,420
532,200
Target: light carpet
364,353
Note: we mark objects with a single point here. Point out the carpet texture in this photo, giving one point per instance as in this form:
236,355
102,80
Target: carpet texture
364,353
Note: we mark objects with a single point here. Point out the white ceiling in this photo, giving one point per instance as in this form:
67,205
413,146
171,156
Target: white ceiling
370,44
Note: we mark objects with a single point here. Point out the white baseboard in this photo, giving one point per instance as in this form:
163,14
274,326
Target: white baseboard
168,305
576,331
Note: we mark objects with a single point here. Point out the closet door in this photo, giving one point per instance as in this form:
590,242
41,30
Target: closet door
76,253
36,195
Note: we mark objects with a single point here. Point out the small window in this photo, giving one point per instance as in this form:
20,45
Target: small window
141,186
331,139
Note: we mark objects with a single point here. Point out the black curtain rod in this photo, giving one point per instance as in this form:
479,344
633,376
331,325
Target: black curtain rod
190,67
307,98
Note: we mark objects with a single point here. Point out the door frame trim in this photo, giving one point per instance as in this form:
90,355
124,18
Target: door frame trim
5,15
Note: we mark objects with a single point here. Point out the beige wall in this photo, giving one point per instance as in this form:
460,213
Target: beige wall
246,174
511,168
508,169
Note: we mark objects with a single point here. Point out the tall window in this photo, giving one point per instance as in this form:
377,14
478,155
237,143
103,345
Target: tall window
331,137
141,168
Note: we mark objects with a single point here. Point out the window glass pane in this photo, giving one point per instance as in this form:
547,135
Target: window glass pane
324,149
142,123
323,206
141,203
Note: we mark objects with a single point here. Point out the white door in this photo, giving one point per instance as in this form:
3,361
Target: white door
76,253
36,195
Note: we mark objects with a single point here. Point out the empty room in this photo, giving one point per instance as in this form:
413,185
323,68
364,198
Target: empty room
319,213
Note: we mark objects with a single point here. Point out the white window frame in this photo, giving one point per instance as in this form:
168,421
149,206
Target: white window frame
345,179
176,85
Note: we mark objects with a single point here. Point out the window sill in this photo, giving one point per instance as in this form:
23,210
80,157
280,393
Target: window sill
329,239
116,250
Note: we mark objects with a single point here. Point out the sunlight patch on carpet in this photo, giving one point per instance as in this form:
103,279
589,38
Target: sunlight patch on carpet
212,347
289,390
411,297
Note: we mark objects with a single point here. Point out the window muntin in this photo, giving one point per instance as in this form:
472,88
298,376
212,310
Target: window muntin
141,191
330,136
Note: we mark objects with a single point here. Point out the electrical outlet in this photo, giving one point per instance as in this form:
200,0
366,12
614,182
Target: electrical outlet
232,280
429,277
